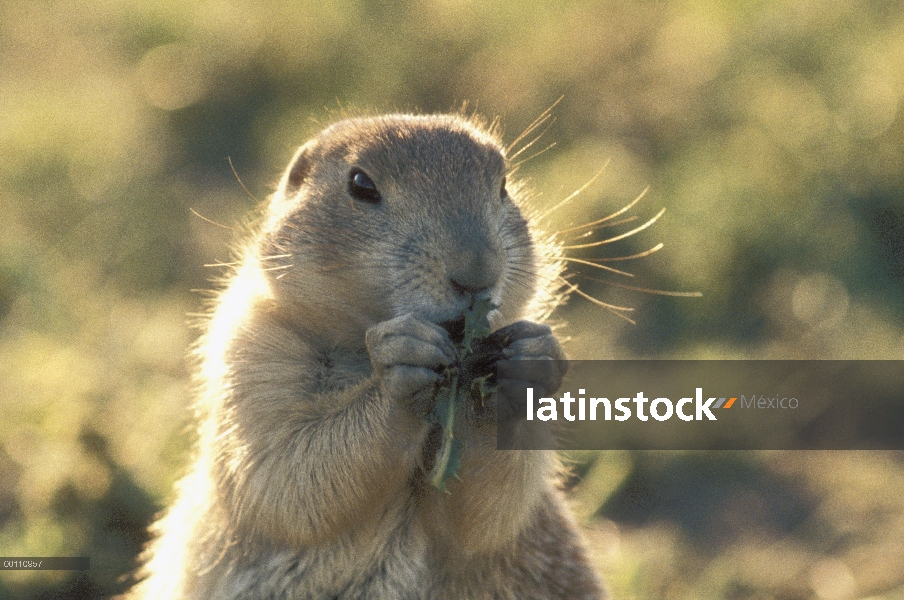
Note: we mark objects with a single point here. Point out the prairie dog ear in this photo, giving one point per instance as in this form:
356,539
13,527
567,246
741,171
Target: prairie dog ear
298,171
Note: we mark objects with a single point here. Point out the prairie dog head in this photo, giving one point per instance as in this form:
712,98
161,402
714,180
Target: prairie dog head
378,217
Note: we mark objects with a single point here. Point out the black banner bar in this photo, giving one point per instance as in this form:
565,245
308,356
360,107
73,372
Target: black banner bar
703,405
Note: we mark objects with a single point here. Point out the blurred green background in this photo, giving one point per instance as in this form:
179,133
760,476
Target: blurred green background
772,131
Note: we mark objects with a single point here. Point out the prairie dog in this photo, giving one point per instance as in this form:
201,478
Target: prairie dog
322,357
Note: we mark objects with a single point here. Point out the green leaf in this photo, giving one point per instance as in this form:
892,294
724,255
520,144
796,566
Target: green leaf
480,389
477,326
448,402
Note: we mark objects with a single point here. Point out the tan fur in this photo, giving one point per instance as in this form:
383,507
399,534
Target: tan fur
308,482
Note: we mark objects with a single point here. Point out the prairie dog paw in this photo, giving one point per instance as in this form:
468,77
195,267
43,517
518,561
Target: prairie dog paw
525,340
408,354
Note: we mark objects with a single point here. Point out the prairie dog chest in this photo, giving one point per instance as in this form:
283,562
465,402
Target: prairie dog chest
329,371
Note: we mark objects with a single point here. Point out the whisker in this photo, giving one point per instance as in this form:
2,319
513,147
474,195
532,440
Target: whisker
648,290
595,265
544,116
612,308
279,268
618,237
612,216
239,179
571,287
612,224
222,264
541,120
536,139
532,156
274,256
211,221
521,284
525,273
655,248
576,192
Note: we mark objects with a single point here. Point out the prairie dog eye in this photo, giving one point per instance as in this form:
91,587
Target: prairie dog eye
362,187
503,193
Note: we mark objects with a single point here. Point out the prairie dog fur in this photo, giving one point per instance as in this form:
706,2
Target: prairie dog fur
319,362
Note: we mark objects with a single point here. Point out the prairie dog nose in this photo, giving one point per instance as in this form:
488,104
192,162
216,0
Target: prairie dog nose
474,269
